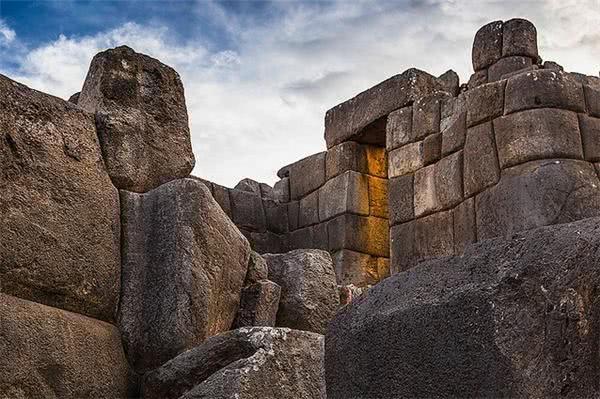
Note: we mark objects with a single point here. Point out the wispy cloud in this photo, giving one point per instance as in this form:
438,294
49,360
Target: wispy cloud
7,35
257,98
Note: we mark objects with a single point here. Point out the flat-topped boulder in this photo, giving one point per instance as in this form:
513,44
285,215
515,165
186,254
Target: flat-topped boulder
59,212
363,118
141,117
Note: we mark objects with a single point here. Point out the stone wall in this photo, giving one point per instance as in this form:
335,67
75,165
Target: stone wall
516,153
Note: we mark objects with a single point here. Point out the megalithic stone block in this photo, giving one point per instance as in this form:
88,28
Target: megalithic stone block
51,353
59,212
366,234
537,134
519,37
481,168
346,193
538,193
399,128
362,118
544,88
485,102
307,175
247,210
309,294
487,45
141,117
184,264
508,65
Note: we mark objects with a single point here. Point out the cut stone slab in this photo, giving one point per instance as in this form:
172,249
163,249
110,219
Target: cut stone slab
426,198
401,199
432,148
276,214
184,264
510,318
309,295
402,247
544,88
362,118
399,128
426,115
485,102
249,185
141,118
451,82
453,138
59,235
307,175
364,234
259,304
538,193
247,210
487,45
51,353
448,180
592,100
481,168
247,363
519,37
590,136
508,65
281,190
346,193
465,231
266,241
309,209
537,134
434,236
405,160
221,195
477,79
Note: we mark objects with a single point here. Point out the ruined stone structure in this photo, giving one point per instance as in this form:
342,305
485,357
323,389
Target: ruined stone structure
123,276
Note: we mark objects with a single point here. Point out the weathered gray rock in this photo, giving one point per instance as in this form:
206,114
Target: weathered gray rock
74,98
141,118
249,185
307,175
309,297
538,193
401,199
248,363
508,65
47,352
481,168
308,213
516,318
184,264
450,81
537,134
281,190
259,304
487,45
484,102
59,212
257,269
519,37
544,88
590,137
362,118
399,128
346,193
247,210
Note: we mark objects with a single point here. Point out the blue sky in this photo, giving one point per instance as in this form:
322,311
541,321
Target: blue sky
259,76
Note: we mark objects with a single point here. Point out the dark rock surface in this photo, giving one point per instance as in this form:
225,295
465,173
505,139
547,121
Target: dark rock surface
47,352
510,318
259,304
59,212
141,118
184,265
309,295
248,363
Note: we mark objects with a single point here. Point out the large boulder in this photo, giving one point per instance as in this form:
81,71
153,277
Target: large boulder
309,294
184,265
59,212
248,363
510,318
47,352
141,117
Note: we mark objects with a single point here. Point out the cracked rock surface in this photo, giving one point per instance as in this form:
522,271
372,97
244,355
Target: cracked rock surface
247,363
509,318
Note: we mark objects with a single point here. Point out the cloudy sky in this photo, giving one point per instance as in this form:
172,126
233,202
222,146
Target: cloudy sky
259,76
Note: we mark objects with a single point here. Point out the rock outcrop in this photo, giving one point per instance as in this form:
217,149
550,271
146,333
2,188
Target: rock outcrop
47,352
59,212
248,363
184,265
309,295
509,318
141,118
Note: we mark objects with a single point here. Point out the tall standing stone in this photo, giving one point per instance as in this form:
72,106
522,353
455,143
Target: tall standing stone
184,265
141,118
59,212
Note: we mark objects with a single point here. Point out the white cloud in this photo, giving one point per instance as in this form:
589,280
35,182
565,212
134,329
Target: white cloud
7,35
260,105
